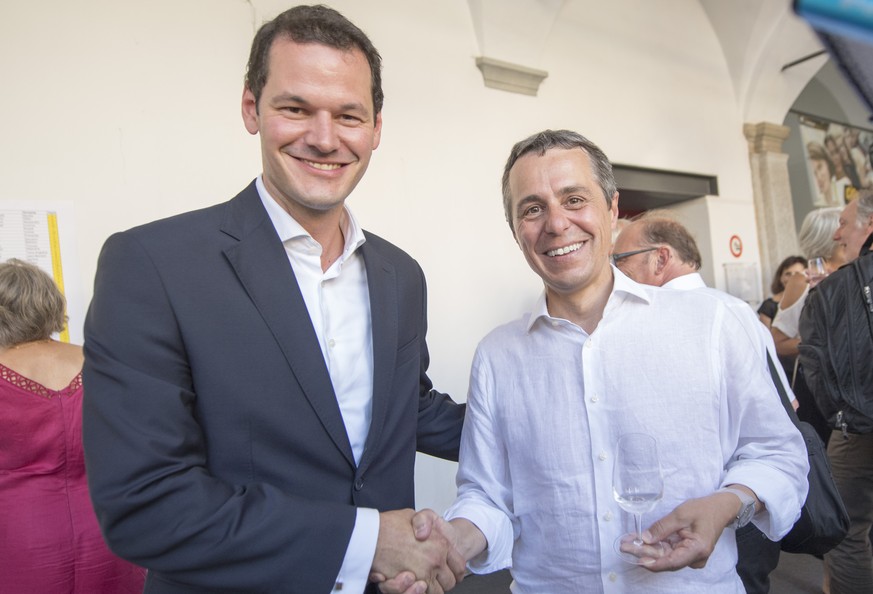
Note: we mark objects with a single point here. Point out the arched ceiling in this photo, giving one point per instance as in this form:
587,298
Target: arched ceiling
758,38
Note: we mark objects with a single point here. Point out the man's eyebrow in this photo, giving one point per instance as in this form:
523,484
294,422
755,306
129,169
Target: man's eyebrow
292,98
576,189
527,200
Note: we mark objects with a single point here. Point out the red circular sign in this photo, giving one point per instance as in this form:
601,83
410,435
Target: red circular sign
736,245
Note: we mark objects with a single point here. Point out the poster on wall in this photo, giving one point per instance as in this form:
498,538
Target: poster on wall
837,160
41,233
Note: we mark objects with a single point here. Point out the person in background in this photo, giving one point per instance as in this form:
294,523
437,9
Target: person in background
837,356
255,372
855,225
845,157
831,189
655,249
859,157
601,356
787,268
49,538
816,239
831,145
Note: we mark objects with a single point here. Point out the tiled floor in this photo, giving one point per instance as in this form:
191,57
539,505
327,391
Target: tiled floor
796,574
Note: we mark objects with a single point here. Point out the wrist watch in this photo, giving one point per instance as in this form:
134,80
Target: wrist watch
747,510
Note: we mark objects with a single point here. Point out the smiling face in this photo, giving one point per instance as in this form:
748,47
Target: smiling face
851,233
562,222
316,124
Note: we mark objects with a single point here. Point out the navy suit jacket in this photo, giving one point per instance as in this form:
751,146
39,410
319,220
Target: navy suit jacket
216,452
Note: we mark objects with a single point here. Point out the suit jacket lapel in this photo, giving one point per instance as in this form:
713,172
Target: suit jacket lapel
382,281
260,263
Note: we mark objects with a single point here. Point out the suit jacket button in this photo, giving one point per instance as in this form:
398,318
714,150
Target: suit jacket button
359,484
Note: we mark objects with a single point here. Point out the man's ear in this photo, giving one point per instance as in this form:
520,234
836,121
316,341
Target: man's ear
664,256
249,110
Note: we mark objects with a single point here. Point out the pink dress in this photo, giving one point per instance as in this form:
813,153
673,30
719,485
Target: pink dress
50,542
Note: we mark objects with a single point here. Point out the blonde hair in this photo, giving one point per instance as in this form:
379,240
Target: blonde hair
31,305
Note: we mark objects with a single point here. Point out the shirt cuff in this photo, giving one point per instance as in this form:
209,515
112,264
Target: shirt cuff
497,529
355,571
781,504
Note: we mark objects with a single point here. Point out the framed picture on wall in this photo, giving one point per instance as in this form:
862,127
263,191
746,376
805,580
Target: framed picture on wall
838,158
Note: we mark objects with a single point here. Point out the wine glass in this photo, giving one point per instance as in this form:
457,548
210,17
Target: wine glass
816,271
637,486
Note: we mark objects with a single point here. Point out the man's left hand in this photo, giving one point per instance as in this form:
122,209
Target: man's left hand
689,533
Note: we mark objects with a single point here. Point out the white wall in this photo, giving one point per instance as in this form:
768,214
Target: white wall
131,111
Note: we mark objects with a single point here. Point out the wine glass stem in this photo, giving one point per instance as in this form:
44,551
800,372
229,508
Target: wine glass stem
638,520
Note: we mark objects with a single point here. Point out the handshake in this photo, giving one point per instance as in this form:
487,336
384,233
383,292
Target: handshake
418,553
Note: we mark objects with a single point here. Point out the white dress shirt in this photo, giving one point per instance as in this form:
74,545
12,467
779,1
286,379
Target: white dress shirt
338,301
547,403
746,315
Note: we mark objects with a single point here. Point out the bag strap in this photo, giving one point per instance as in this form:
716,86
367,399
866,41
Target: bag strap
774,375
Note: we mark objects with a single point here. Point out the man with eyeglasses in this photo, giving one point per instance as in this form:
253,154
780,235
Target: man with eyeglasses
616,258
655,249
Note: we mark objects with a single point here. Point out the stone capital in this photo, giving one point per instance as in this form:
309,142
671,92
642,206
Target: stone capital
765,137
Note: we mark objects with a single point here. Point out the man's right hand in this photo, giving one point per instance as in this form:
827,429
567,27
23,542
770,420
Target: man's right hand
465,540
427,563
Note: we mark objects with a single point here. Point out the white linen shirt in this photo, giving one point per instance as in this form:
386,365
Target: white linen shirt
338,301
746,315
547,403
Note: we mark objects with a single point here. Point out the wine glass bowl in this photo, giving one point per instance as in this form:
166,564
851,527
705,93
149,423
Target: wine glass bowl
816,271
637,485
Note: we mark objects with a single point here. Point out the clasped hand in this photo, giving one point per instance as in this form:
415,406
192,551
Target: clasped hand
416,554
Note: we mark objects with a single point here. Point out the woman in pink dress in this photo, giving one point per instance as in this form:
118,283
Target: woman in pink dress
50,542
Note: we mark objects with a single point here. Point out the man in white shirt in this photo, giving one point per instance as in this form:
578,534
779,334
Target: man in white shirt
599,357
655,249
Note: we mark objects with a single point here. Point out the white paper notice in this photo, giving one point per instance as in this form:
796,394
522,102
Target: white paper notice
41,233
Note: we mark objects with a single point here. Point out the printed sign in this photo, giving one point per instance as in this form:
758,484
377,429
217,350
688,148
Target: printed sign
736,246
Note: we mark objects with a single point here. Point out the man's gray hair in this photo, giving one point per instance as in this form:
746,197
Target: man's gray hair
562,139
865,206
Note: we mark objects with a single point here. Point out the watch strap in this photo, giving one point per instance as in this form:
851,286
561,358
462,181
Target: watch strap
747,507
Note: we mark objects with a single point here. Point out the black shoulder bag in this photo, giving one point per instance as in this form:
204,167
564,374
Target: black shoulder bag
823,521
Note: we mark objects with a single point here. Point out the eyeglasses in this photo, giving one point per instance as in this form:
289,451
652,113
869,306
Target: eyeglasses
622,255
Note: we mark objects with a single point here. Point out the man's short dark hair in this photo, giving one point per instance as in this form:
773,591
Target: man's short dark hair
563,139
311,24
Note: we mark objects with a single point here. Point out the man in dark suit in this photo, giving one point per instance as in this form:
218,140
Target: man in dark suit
256,372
